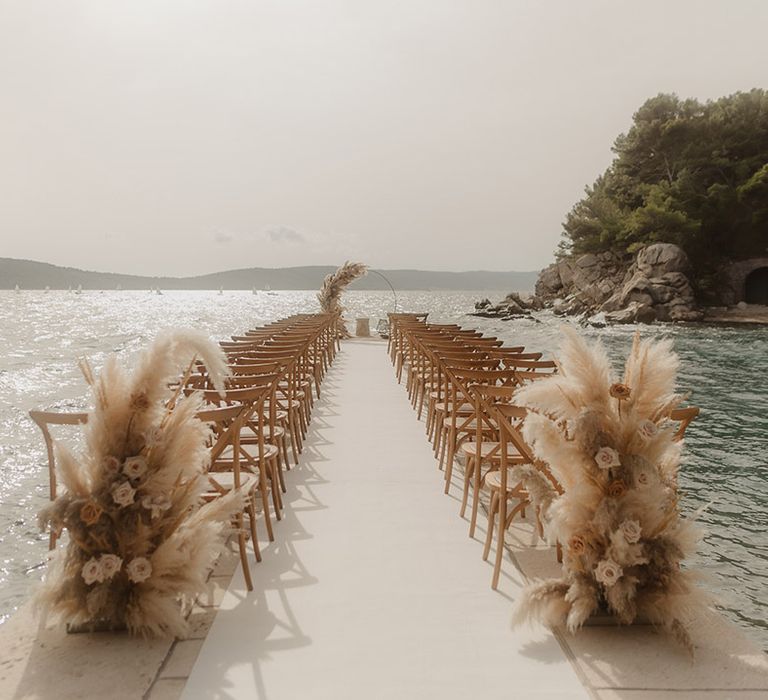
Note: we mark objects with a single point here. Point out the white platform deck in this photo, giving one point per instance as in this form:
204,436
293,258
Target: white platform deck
372,588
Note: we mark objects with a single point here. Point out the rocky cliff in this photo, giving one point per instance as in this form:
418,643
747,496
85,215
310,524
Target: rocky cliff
651,287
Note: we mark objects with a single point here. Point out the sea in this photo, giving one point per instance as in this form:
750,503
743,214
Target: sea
723,369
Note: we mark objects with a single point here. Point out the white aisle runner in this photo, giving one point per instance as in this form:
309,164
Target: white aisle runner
372,588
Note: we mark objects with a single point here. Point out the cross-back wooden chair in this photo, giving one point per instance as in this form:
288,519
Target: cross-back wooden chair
45,420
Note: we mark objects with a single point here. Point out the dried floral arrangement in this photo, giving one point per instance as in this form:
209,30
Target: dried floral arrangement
141,540
613,450
334,284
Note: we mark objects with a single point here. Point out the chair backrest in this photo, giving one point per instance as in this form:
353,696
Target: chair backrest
684,416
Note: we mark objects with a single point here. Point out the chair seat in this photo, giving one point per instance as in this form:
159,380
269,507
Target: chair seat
248,434
253,453
226,480
493,481
489,450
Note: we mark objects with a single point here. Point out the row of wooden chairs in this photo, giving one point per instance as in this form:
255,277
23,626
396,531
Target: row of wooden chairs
276,373
468,382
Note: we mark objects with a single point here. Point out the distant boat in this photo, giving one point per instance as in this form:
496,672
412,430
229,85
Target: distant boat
253,290
267,288
158,292
16,289
69,289
221,291
79,289
47,289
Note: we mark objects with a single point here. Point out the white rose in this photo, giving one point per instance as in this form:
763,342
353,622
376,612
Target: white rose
608,572
139,569
631,530
92,571
110,463
135,467
123,494
156,504
110,565
648,429
607,457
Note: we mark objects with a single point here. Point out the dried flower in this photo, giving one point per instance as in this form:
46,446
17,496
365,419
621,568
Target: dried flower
96,599
139,569
123,494
110,463
617,488
92,571
607,457
608,572
577,545
110,565
90,513
631,530
620,391
139,401
135,467
156,504
648,429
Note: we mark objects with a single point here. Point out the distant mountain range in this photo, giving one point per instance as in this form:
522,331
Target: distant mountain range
28,274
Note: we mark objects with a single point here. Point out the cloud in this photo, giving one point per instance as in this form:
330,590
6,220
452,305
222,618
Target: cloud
283,234
223,238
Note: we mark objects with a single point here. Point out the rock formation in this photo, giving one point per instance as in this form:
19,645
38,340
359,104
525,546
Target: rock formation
652,287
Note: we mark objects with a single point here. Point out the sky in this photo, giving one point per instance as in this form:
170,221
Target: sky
184,137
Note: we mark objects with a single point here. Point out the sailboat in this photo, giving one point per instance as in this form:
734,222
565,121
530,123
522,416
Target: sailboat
253,290
79,289
221,291
16,289
47,289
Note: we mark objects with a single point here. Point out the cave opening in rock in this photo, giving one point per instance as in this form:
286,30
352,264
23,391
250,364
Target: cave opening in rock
756,287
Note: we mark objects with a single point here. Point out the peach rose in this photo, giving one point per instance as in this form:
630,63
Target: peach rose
642,479
90,513
110,565
631,530
648,429
607,457
617,488
620,391
92,572
123,494
608,572
577,545
139,569
135,467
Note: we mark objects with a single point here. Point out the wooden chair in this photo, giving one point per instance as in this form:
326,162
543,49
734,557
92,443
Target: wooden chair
44,420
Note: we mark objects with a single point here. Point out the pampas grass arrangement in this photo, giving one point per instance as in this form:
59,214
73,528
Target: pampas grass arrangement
612,448
334,284
141,541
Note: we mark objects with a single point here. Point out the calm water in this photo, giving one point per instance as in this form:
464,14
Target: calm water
724,369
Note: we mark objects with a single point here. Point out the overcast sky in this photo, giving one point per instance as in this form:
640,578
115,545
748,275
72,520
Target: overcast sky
183,137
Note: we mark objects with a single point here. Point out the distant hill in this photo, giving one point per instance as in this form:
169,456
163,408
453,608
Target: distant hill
28,274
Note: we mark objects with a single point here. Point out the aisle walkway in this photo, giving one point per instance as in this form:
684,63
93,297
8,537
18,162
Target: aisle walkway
372,588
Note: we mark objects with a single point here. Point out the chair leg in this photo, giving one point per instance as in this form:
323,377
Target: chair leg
265,504
477,485
468,470
491,525
449,461
254,535
500,540
243,553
